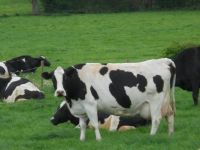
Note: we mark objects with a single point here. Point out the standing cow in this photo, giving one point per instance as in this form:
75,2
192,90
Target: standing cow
106,121
25,63
125,89
14,88
188,71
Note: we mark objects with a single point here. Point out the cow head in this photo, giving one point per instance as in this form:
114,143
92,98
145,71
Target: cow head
4,73
63,115
46,62
58,77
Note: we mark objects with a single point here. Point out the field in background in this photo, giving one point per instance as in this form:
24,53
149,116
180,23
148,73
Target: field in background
67,40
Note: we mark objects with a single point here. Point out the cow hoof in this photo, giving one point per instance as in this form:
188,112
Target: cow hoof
98,139
82,139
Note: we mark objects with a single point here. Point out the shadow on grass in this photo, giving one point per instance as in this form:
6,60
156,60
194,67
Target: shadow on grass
52,136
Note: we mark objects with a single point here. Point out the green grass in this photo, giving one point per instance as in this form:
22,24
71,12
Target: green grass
72,39
15,7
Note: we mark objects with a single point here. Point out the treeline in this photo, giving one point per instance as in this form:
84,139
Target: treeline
96,6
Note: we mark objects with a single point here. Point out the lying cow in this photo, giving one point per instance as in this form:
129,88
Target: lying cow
110,122
14,88
25,63
188,71
125,89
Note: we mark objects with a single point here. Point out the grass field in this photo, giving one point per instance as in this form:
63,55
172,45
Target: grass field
67,40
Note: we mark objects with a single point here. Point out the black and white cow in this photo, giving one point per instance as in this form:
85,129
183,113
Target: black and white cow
25,63
14,88
106,121
124,89
188,71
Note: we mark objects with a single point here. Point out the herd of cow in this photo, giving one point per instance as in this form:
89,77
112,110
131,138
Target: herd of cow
115,96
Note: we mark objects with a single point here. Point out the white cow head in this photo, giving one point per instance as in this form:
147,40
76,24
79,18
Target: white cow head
57,77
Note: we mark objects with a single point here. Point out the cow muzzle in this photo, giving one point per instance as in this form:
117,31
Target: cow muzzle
60,93
53,121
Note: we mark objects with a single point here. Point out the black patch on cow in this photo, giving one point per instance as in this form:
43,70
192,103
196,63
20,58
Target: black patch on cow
75,88
94,93
13,86
103,70
63,115
120,79
2,70
173,72
142,82
3,84
133,121
30,95
159,83
79,66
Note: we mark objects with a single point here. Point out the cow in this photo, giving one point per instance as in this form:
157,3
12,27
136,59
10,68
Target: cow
123,89
188,71
106,121
25,64
14,88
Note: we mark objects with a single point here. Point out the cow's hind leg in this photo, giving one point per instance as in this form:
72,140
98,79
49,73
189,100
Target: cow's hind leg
82,123
92,115
195,92
155,109
170,121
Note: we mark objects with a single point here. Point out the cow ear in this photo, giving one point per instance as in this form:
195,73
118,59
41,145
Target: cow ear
46,75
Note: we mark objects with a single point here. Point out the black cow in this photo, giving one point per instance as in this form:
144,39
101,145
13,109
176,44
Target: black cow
14,88
106,121
25,63
188,71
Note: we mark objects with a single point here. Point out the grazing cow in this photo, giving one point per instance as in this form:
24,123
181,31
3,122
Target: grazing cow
25,64
188,71
14,88
110,122
125,89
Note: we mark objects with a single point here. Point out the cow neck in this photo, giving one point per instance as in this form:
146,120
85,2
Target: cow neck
3,84
74,87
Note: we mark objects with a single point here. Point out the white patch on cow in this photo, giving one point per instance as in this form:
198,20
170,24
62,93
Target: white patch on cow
24,60
6,75
14,79
58,73
62,104
43,57
52,118
20,90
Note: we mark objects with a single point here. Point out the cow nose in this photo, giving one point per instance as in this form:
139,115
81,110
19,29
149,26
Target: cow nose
53,121
60,93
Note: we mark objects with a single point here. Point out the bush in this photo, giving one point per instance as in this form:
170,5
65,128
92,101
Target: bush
176,48
95,6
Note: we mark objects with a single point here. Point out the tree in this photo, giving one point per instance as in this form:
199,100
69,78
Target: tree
35,7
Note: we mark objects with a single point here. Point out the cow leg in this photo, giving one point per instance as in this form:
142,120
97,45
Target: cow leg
82,123
195,92
170,121
92,115
155,109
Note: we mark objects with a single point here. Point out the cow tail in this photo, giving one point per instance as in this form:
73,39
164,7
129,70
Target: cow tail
173,94
172,85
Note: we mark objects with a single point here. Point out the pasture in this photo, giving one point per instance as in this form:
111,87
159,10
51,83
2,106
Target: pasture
72,39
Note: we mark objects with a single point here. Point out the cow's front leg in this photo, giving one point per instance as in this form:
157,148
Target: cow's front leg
82,123
93,118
